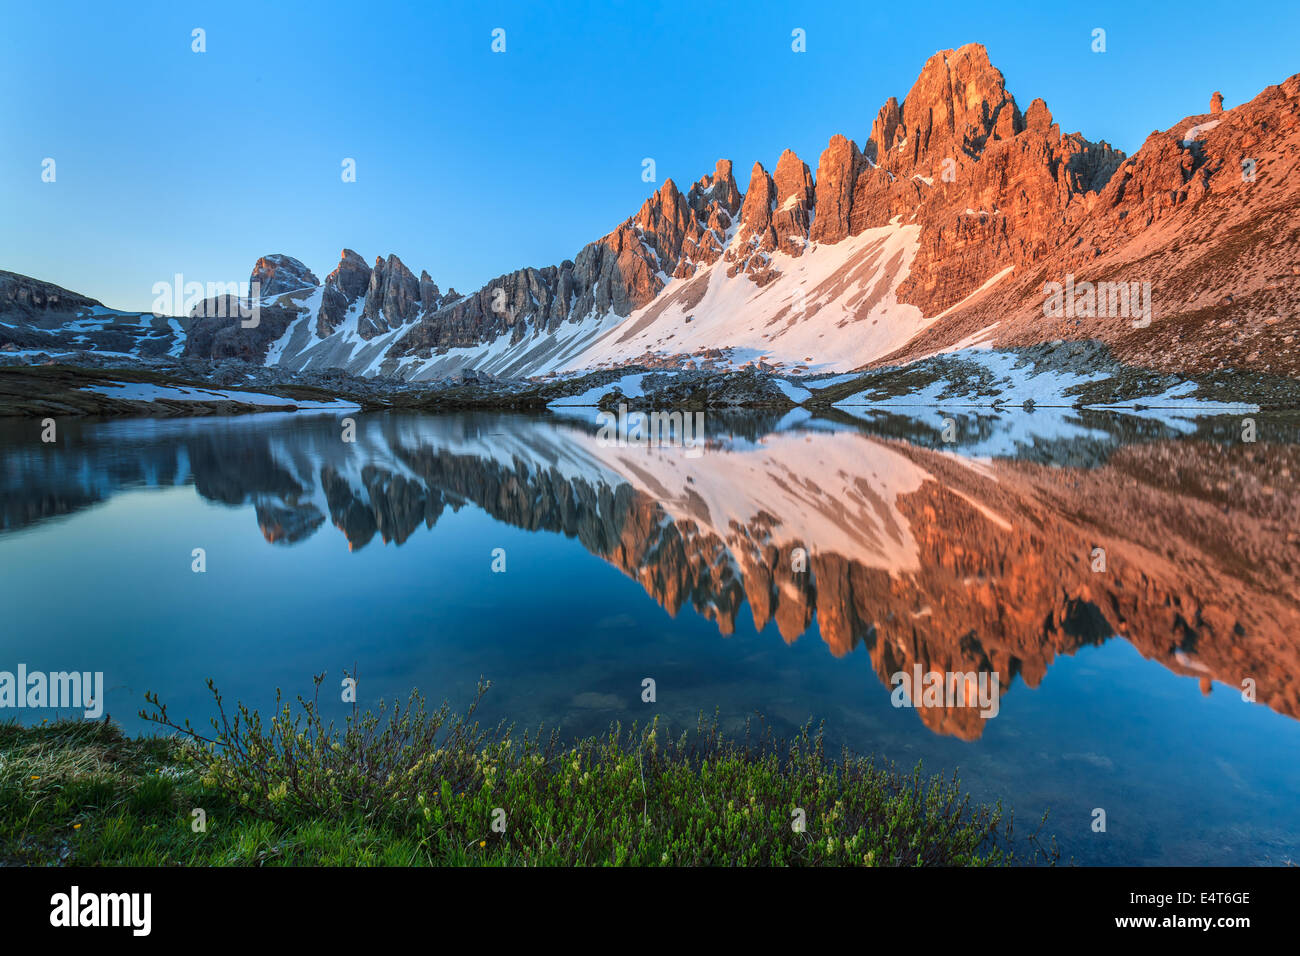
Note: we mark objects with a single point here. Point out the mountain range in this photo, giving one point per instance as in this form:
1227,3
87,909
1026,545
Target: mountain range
942,230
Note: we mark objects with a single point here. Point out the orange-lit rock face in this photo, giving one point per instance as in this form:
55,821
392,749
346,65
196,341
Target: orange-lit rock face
1206,211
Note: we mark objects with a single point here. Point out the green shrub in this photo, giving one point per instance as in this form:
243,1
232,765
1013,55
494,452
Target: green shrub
402,786
446,791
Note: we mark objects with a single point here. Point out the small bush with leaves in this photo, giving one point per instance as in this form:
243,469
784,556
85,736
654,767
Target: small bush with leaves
297,764
455,793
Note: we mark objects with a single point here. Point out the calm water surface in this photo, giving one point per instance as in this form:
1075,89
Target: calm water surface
1120,688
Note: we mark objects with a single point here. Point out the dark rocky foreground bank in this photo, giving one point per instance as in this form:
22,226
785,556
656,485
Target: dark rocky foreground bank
227,388
1078,374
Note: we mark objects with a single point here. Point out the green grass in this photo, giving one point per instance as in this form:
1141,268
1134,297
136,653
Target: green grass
404,787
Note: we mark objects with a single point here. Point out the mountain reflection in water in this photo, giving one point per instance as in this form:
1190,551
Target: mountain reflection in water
970,557
917,552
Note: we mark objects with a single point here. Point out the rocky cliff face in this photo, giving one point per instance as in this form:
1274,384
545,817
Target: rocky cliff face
349,282
776,216
991,187
392,298
24,296
671,236
1207,212
278,274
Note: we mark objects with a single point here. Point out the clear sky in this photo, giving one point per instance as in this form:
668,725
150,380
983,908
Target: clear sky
471,163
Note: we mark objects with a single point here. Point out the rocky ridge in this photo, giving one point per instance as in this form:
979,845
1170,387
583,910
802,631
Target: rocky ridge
958,140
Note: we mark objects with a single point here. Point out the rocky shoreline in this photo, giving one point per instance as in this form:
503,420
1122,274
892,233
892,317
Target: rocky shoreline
1061,373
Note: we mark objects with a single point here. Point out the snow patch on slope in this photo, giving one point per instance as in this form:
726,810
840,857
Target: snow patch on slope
148,392
1010,379
833,308
1194,134
629,385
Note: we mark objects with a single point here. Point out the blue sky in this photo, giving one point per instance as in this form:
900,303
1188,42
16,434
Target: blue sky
471,163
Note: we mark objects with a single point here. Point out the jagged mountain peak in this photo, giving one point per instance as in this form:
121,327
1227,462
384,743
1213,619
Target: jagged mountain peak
1038,117
958,100
344,286
720,187
278,273
351,275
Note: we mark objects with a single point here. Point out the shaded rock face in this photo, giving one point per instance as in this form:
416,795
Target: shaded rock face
501,307
794,203
689,232
22,295
667,224
681,233
616,274
392,298
756,212
344,286
756,238
217,330
391,295
430,297
217,327
279,273
884,130
716,199
776,217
